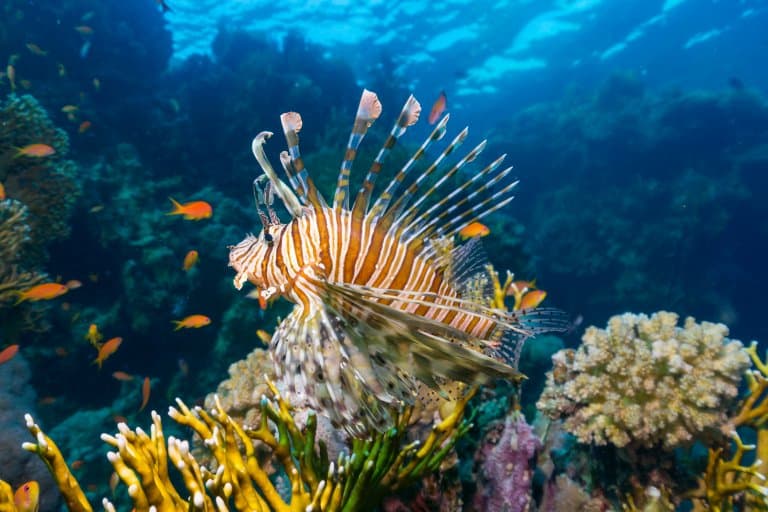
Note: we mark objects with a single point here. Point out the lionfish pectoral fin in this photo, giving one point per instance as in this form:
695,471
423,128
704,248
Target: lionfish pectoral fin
318,361
417,345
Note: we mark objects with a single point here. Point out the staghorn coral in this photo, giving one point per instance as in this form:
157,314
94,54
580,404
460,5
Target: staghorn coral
645,382
375,466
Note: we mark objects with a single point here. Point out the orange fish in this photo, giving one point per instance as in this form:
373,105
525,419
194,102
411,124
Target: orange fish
145,388
84,30
264,336
70,109
32,47
189,260
45,291
27,497
47,400
2,191
84,126
10,72
61,351
73,284
119,419
256,294
441,103
192,321
122,376
35,151
533,299
114,479
194,210
473,230
7,353
107,349
93,335
77,464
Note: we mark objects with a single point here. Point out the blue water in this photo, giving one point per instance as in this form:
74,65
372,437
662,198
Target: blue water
638,130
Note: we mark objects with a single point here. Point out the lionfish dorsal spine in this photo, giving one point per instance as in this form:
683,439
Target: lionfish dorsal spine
282,190
411,212
297,173
409,115
382,203
402,201
368,111
452,201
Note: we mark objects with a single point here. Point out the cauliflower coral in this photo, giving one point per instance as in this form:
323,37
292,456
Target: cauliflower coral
645,381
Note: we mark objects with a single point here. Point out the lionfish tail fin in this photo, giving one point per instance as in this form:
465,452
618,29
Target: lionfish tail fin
367,112
528,323
409,115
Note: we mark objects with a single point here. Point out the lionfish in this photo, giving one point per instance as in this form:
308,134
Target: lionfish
384,301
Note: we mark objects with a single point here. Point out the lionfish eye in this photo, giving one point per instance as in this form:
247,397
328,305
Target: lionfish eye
268,238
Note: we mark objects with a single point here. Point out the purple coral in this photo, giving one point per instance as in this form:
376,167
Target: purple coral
504,474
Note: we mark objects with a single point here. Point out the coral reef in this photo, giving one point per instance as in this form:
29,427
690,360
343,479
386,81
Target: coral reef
14,236
505,473
357,481
644,381
16,465
47,186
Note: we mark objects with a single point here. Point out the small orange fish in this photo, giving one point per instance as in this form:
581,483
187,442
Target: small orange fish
45,291
189,260
119,419
77,464
84,30
93,335
474,230
256,294
61,351
84,126
192,321
194,210
10,72
47,400
7,353
35,151
114,479
145,389
533,299
32,47
2,191
27,497
122,376
73,284
441,103
107,349
70,109
264,336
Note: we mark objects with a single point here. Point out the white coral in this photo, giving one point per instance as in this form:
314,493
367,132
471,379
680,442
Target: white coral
646,381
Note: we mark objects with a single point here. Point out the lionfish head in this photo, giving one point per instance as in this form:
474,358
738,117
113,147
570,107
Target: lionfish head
247,256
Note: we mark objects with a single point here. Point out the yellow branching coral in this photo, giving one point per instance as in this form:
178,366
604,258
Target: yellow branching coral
727,478
645,381
235,480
